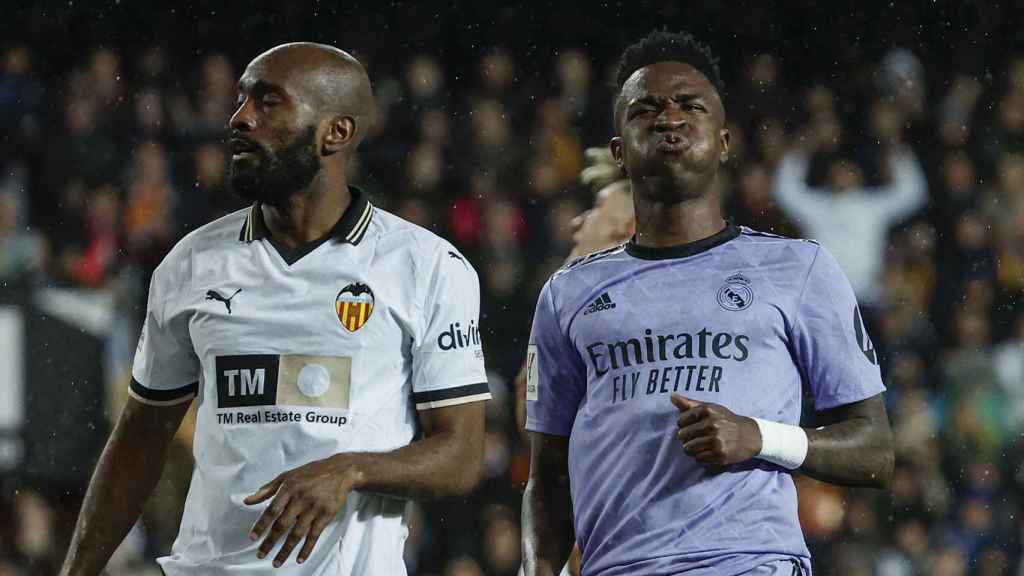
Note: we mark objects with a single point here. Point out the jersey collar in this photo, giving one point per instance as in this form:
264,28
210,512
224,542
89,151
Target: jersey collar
682,250
351,227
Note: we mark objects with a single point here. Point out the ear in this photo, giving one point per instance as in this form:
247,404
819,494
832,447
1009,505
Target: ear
616,147
340,132
723,136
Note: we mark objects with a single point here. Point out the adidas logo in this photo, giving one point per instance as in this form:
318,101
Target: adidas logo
603,302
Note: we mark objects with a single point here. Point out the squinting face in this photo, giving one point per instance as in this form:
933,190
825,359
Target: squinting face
671,126
607,224
273,140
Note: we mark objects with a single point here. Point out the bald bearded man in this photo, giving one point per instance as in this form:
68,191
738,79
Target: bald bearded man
320,335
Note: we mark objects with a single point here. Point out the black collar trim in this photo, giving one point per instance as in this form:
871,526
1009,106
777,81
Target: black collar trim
351,227
682,250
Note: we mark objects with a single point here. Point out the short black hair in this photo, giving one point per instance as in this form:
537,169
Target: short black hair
665,46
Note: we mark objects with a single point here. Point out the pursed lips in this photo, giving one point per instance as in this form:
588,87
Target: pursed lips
672,142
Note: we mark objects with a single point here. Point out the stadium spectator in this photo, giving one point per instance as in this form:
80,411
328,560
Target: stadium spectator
22,253
849,219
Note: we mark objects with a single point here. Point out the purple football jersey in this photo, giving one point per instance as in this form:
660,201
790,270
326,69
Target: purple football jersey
742,319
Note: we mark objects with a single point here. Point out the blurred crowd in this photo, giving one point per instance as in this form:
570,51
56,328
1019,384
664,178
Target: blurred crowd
915,183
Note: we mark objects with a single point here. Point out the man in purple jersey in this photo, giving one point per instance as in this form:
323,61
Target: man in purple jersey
665,376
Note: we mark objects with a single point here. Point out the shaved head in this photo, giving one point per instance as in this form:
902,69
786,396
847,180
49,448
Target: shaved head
327,79
303,109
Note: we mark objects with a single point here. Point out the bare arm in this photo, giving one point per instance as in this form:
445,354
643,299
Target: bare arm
547,509
792,193
908,189
128,469
853,447
520,388
446,461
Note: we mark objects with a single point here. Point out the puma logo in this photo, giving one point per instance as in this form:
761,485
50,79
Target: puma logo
456,256
214,295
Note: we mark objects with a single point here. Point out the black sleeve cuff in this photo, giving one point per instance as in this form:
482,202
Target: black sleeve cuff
163,397
451,396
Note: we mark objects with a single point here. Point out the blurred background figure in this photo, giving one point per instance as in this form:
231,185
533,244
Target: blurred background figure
610,221
851,220
22,252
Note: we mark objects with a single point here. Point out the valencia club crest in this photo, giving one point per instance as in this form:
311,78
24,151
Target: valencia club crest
354,305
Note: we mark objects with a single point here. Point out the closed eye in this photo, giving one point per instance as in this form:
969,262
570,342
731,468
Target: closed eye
263,93
640,111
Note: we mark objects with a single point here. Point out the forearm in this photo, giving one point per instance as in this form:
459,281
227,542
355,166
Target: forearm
854,452
124,478
433,467
547,529
908,190
520,388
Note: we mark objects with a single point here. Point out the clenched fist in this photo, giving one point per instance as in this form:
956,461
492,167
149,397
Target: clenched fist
713,435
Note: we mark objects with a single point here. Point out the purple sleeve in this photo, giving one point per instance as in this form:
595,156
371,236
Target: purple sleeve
555,375
831,344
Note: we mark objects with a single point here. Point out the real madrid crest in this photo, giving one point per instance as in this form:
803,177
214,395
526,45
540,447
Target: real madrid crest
354,305
735,293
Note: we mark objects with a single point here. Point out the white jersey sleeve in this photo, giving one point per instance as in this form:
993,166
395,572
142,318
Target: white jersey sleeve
166,369
448,358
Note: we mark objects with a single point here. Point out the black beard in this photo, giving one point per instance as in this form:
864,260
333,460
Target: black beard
276,177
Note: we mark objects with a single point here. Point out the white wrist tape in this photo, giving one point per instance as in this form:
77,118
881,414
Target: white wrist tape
782,444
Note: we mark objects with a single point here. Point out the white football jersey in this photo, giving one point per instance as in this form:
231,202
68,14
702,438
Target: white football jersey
297,355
